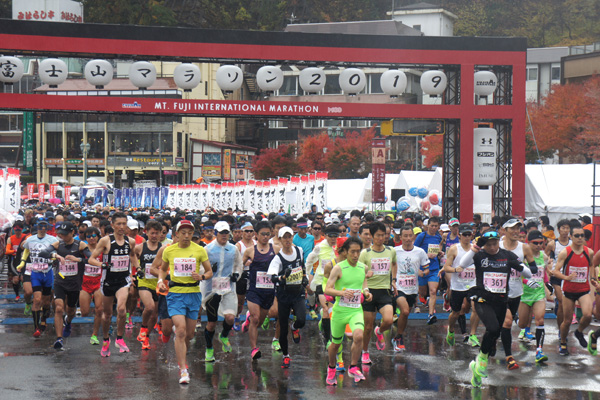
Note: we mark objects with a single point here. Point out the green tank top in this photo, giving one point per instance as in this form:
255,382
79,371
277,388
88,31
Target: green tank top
352,278
538,293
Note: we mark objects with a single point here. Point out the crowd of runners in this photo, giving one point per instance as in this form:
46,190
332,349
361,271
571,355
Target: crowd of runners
250,271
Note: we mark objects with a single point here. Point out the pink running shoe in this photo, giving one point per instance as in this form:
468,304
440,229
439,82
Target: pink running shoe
356,373
105,352
255,353
380,339
366,359
331,379
120,343
246,323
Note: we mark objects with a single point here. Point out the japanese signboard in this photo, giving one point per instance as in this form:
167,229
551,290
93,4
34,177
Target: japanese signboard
378,172
48,10
28,132
227,164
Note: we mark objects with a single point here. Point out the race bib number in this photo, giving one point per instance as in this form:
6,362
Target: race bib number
380,266
515,276
353,302
581,274
69,268
147,274
183,267
433,248
221,285
538,276
91,270
467,275
39,267
120,264
494,282
263,281
295,277
407,282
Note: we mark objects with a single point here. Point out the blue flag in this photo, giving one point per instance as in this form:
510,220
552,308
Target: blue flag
118,198
164,191
126,200
98,197
148,197
82,194
138,197
156,197
104,197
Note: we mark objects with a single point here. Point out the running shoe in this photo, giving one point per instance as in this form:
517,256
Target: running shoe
432,319
209,355
66,328
521,336
237,326
398,343
184,376
37,333
255,353
481,364
42,327
129,324
591,347
313,314
475,379
563,350
165,338
380,339
529,335
105,352
365,358
473,341
78,312
146,344
27,311
58,345
246,323
120,344
226,345
574,321
511,363
265,324
331,380
275,345
142,335
94,340
450,338
286,362
540,356
339,366
579,335
356,373
296,336
447,307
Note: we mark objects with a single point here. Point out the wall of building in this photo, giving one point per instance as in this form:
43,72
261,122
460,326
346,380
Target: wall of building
431,24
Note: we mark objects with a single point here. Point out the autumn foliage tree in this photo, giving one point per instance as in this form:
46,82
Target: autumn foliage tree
271,163
432,148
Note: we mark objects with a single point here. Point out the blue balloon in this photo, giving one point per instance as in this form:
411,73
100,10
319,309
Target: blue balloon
403,205
393,208
413,191
423,192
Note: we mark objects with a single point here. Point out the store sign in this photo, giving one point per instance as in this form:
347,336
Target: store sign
227,164
28,131
211,172
58,162
139,161
378,171
168,172
179,161
48,10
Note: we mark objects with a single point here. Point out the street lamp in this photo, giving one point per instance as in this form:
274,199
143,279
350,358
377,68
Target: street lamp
85,148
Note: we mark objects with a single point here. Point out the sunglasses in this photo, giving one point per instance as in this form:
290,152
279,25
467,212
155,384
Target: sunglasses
316,229
92,236
265,233
467,234
579,235
332,235
537,242
17,229
249,231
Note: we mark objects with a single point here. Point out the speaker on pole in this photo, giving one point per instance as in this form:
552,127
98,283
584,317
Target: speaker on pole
397,193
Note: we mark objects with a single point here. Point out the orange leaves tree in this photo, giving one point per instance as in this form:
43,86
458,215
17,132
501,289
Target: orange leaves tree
281,161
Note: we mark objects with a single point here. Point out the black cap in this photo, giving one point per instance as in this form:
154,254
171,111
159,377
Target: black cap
65,228
464,228
333,228
534,235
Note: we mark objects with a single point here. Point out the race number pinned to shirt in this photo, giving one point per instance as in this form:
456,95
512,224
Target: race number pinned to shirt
380,266
581,274
433,249
38,267
467,275
184,267
352,302
407,282
295,277
91,270
147,274
221,285
263,281
120,264
494,282
515,277
69,268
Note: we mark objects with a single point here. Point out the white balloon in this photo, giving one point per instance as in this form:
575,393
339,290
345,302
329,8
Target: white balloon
142,74
312,79
393,82
53,71
352,80
229,77
269,78
434,82
486,83
99,73
187,76
11,69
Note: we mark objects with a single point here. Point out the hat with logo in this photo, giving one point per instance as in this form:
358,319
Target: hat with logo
184,223
65,228
222,227
284,230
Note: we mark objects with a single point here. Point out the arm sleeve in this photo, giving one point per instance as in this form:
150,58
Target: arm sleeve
238,267
313,257
275,266
467,259
47,251
533,267
86,253
526,273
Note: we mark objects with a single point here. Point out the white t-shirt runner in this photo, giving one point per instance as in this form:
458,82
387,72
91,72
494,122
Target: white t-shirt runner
409,263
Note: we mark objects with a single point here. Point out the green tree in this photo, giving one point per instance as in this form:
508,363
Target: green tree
130,12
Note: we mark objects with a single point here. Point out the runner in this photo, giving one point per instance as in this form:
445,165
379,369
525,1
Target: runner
187,264
90,288
146,253
14,253
287,270
553,250
381,260
412,263
218,293
71,255
261,290
241,286
493,267
118,256
348,283
533,299
462,279
575,268
430,242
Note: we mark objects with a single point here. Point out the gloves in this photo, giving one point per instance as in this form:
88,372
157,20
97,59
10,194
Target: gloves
274,278
106,265
481,241
234,277
304,281
287,272
533,284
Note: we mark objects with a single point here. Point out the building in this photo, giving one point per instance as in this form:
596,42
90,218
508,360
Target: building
581,63
543,70
215,161
428,18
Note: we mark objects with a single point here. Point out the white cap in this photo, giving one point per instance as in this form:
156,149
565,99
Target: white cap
222,226
133,224
284,230
444,228
88,223
250,214
204,219
328,220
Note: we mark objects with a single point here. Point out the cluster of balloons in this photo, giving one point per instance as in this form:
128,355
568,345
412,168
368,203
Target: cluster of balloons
421,199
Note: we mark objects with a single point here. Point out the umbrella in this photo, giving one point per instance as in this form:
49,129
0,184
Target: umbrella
55,200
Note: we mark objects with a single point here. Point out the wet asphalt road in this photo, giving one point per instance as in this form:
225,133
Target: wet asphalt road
429,369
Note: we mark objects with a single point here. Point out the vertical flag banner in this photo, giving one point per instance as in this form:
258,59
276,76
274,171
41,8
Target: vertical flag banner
12,190
281,187
321,191
148,197
378,171
312,183
126,198
139,194
41,192
67,194
82,196
104,197
156,197
52,190
164,196
3,179
171,196
98,196
227,164
132,198
30,190
118,194
251,196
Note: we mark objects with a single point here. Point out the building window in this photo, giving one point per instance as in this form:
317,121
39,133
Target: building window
54,149
555,73
288,88
375,82
332,84
74,140
417,27
278,123
532,74
312,123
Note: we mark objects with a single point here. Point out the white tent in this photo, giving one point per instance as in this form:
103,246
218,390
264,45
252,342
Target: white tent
345,194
